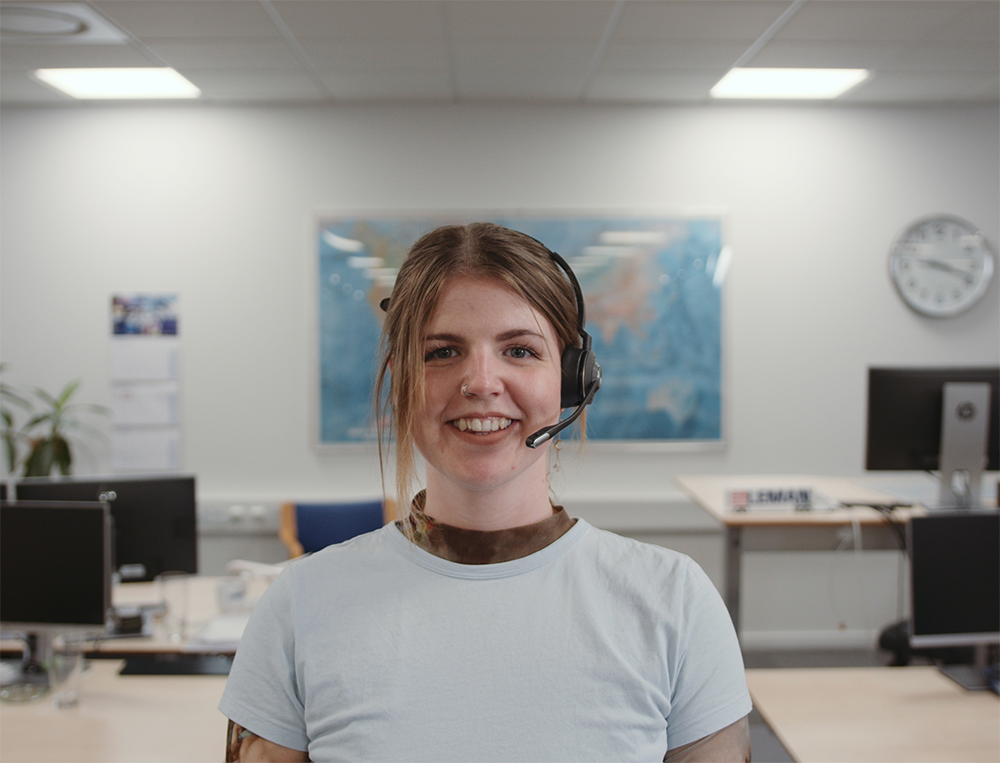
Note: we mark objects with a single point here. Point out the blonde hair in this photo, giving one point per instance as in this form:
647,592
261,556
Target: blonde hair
481,250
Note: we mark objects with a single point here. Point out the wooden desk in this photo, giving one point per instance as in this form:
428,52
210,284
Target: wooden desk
786,530
173,719
876,715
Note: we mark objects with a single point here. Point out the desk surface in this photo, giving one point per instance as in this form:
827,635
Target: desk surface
876,715
710,492
120,718
203,605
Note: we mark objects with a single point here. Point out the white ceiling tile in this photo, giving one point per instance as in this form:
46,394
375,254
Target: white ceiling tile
990,88
184,19
825,55
531,19
910,87
20,87
482,84
264,85
71,56
698,20
401,85
226,54
677,54
946,57
633,50
362,19
979,22
864,20
520,55
354,55
652,87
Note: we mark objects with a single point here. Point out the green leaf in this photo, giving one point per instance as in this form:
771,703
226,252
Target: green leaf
67,392
38,418
48,431
46,397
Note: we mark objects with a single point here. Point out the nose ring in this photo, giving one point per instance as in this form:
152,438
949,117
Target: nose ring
465,391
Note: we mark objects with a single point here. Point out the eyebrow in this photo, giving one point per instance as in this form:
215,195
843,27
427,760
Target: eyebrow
505,336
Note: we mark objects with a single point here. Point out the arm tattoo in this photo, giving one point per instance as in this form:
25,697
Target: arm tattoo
234,741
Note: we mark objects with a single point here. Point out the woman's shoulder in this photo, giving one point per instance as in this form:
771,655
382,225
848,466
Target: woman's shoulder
616,554
611,542
367,548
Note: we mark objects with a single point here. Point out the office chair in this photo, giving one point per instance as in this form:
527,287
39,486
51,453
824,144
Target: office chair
308,527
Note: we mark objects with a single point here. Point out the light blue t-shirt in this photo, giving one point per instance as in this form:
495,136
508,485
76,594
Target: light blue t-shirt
596,648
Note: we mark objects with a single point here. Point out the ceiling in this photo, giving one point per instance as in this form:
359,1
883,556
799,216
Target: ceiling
551,51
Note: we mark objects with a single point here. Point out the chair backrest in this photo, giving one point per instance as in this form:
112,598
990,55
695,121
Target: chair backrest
318,525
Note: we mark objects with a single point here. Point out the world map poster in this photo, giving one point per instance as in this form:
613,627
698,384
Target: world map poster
653,292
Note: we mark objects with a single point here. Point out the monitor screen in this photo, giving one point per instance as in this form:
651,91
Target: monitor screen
954,578
904,416
55,565
155,518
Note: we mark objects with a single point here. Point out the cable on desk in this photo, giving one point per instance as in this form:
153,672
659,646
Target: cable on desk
887,511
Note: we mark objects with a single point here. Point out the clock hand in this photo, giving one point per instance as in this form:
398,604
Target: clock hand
946,267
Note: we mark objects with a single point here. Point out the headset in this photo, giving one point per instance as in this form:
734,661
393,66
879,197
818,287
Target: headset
581,374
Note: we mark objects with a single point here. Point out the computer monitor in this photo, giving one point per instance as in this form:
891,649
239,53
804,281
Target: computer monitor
955,585
155,518
936,419
55,580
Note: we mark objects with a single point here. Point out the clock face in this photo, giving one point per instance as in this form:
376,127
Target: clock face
941,265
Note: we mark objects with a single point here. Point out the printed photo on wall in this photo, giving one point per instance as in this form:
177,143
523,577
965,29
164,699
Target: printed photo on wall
154,314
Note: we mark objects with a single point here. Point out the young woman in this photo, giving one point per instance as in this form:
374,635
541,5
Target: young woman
486,624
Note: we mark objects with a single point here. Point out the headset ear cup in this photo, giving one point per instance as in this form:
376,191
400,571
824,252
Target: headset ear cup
578,369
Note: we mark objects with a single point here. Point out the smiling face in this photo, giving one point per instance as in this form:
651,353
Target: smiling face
484,337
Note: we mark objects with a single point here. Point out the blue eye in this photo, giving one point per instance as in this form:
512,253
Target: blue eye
521,352
441,353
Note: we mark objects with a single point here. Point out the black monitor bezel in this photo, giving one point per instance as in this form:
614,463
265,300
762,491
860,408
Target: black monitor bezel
928,533
17,624
171,545
903,437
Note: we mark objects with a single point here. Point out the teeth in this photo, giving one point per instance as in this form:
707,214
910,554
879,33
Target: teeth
482,425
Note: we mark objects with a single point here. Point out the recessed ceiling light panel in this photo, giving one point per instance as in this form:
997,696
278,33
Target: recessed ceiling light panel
117,84
787,83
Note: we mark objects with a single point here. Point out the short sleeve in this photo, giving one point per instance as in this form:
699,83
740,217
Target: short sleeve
710,691
262,693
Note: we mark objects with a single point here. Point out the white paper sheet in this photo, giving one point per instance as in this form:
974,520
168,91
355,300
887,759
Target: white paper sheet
146,450
150,403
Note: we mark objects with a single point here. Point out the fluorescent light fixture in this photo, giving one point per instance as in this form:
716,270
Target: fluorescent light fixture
119,83
787,83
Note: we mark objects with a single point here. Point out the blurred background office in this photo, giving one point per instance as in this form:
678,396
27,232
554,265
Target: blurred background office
528,106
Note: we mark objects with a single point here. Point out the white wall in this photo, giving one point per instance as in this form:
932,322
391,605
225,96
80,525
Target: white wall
216,204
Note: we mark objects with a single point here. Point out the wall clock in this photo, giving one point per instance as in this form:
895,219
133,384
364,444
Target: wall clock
941,265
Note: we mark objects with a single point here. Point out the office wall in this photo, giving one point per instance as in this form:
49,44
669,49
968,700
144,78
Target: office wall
216,203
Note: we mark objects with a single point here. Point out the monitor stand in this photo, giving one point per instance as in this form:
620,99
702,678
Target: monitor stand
31,681
970,677
965,412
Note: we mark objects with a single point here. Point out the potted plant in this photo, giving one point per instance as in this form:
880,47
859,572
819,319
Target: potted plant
51,431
